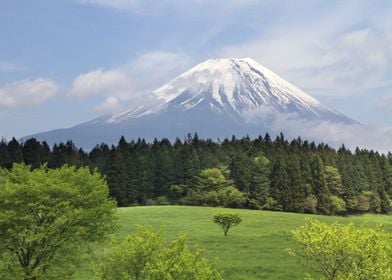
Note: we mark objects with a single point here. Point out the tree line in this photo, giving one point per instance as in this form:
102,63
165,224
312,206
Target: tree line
262,173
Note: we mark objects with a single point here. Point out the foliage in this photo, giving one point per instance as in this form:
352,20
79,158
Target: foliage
345,251
145,255
295,176
337,205
310,204
46,214
226,197
363,204
226,221
212,179
334,180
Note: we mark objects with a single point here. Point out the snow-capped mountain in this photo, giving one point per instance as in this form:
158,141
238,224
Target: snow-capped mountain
232,87
217,98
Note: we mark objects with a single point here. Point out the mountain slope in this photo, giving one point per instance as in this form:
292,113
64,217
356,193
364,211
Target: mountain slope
232,87
217,98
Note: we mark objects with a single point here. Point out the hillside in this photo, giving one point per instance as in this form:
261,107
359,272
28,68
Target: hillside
253,250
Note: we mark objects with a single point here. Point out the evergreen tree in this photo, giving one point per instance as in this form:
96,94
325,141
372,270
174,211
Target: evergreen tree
292,176
280,182
15,153
260,182
320,186
5,160
297,186
32,153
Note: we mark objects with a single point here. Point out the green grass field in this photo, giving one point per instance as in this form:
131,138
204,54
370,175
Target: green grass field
253,250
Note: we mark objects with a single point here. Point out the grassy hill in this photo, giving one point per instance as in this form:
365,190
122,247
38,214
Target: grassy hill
253,250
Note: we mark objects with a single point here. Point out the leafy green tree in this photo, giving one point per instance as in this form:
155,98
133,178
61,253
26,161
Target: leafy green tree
344,251
145,255
333,180
226,221
212,179
337,204
47,214
230,197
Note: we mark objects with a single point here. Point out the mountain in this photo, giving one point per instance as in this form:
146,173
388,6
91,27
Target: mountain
216,99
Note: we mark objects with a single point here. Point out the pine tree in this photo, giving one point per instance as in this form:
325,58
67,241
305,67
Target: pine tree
280,182
15,151
5,160
32,153
320,186
260,182
297,187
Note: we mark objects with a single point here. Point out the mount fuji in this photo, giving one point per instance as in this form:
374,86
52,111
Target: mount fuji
216,99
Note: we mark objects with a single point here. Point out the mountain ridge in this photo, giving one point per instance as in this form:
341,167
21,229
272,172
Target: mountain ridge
236,85
216,98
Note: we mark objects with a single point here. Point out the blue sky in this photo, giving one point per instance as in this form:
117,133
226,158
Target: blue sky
64,62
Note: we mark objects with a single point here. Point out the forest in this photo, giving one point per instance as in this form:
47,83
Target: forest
262,173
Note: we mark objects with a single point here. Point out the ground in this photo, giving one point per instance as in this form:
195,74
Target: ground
255,249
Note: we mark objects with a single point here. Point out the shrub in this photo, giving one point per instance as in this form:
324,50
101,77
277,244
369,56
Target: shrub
344,251
145,255
337,205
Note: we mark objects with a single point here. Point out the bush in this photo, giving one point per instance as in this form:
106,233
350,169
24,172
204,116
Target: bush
272,204
337,205
226,197
344,251
231,197
145,255
162,200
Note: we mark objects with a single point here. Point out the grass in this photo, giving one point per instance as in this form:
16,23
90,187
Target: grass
255,249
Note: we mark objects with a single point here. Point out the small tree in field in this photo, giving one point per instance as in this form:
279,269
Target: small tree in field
226,221
145,255
45,217
344,251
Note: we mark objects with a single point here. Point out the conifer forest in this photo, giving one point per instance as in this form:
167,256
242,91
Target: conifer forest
262,173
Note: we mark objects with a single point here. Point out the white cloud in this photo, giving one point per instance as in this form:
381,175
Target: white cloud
111,104
129,84
352,63
344,49
27,92
333,133
100,82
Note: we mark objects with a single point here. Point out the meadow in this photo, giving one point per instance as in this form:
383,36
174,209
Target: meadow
255,249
